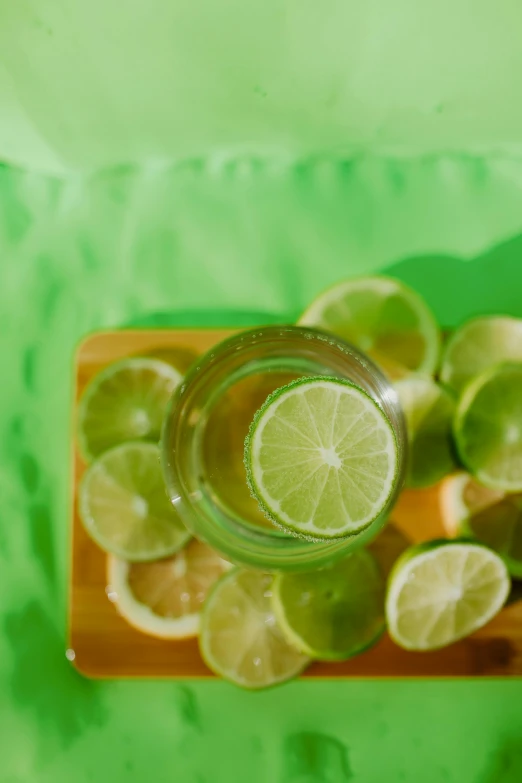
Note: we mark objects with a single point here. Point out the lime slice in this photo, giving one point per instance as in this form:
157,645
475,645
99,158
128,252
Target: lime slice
125,401
334,613
124,507
428,409
480,344
441,591
321,458
383,318
460,496
488,427
164,598
492,517
240,638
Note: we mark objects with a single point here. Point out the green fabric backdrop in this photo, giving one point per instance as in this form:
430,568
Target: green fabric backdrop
90,84
133,245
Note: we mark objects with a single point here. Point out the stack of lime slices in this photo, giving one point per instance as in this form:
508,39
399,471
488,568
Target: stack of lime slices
321,464
158,576
122,500
322,461
259,630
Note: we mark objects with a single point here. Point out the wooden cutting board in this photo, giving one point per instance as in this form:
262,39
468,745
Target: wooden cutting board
102,644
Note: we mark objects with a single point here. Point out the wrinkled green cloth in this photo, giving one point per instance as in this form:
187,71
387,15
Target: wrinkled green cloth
191,244
90,84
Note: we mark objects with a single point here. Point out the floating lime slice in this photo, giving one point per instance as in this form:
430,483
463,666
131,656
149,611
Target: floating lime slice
124,507
428,409
442,591
334,613
164,598
240,638
488,427
125,401
383,318
492,517
478,345
321,458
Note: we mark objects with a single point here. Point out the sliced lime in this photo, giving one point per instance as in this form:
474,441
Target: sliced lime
460,497
240,638
490,516
334,613
321,458
124,507
442,591
488,427
125,401
428,409
164,598
383,318
478,345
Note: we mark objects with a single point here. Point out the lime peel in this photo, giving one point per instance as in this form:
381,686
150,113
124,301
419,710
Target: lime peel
488,427
124,401
382,317
435,597
479,344
240,638
124,508
164,598
335,613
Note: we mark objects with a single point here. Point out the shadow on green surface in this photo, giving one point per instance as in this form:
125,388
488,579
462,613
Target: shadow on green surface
506,763
458,289
41,540
44,682
207,319
36,491
188,708
311,757
455,288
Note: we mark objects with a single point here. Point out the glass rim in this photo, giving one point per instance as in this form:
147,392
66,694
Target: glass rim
281,546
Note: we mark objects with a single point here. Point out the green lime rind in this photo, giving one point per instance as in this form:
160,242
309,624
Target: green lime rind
255,490
117,406
417,549
124,508
335,613
427,546
237,617
487,427
495,537
389,344
442,599
477,345
429,410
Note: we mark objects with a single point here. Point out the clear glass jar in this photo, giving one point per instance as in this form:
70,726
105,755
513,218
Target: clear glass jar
208,420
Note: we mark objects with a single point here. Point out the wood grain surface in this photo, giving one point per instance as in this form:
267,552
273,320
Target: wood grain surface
105,645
